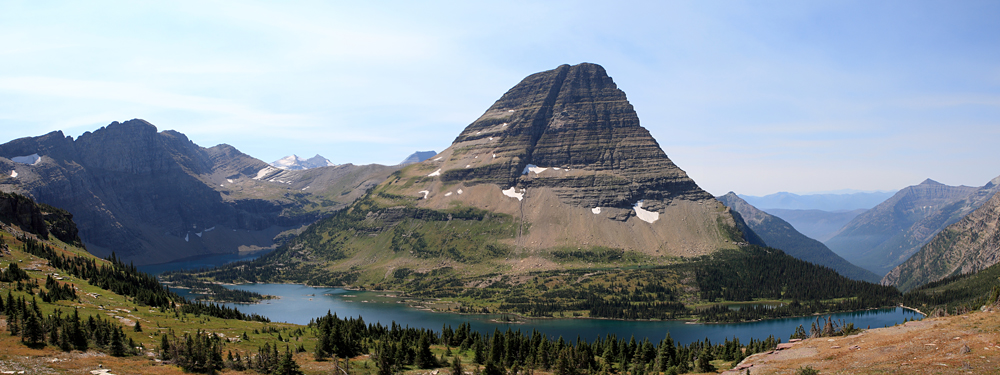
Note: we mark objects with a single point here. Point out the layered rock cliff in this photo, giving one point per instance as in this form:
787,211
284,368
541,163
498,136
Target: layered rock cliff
154,197
39,219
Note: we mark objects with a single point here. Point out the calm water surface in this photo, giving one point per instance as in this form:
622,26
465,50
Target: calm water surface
199,262
298,304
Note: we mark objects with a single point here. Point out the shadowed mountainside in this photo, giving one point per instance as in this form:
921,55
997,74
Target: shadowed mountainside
888,234
778,234
153,197
968,246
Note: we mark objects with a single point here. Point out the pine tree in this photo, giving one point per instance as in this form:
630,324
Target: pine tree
478,355
424,358
491,368
117,346
287,365
704,362
138,326
32,332
456,366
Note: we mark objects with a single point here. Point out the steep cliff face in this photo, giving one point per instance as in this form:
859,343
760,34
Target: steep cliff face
968,246
153,197
888,234
39,219
779,234
583,137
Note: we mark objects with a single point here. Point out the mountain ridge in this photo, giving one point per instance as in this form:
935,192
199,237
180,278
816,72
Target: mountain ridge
152,197
888,234
779,234
967,246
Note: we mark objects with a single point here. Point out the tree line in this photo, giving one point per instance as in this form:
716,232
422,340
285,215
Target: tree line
64,331
126,280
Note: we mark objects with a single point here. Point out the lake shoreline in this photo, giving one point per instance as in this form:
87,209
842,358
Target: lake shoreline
525,319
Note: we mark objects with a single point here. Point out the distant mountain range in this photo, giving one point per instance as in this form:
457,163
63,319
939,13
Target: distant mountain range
970,245
888,234
779,234
417,157
816,224
295,163
154,197
824,202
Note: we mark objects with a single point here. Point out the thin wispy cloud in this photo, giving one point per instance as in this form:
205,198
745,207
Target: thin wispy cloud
745,96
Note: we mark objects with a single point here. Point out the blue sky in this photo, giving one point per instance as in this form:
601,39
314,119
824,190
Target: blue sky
755,97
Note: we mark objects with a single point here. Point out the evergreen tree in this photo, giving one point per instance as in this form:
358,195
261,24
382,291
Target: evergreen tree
32,332
117,346
478,355
704,362
456,366
491,368
287,365
424,358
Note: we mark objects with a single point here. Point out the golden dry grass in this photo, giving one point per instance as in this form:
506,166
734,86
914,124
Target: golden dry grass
933,346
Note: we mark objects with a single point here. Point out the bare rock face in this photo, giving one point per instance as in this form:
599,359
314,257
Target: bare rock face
968,246
153,197
575,121
563,152
40,219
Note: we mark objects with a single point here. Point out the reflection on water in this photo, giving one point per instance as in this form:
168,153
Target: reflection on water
298,304
194,263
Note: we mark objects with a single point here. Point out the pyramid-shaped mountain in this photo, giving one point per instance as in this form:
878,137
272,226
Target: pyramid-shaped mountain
563,150
556,174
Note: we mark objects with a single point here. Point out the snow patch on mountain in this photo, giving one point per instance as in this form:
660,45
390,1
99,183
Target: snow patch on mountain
647,216
512,192
296,163
27,159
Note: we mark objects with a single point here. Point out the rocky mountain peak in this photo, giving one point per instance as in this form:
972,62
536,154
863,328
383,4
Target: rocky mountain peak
417,157
931,182
573,130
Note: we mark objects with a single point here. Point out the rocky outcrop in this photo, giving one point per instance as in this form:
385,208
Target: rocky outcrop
417,157
888,234
968,246
38,219
778,234
153,197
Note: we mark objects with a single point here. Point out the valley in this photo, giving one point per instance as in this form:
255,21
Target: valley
553,213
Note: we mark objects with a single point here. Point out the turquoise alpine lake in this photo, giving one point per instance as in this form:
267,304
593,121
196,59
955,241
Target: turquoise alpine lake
299,304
